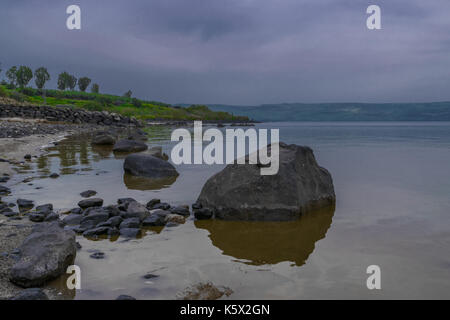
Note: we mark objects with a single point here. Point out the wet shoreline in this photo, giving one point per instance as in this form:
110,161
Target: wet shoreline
386,214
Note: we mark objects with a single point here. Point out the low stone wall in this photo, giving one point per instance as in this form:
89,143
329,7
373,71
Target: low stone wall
66,114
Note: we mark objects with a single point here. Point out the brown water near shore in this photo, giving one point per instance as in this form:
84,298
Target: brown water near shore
392,210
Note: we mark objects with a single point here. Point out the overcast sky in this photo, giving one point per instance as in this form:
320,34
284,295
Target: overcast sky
239,51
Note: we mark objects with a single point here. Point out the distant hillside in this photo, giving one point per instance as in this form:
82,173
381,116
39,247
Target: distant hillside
436,111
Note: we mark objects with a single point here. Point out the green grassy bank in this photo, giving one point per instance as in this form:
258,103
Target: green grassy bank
130,107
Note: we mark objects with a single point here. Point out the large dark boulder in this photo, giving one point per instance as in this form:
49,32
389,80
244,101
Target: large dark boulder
240,192
149,166
129,146
44,255
104,139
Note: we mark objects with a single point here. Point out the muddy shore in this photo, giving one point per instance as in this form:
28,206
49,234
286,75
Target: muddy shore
22,138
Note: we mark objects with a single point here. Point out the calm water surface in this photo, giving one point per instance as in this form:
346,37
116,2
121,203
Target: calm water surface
392,183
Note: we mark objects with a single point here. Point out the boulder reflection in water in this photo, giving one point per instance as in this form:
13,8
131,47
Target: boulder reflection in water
144,183
258,243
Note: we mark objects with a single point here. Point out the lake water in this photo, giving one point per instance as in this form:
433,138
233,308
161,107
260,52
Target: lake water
392,183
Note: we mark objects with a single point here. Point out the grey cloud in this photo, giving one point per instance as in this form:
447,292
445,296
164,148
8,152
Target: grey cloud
239,51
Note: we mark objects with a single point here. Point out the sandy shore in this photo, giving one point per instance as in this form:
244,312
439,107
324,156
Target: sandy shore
13,232
15,149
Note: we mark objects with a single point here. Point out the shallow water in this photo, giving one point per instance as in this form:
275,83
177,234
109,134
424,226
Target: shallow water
392,183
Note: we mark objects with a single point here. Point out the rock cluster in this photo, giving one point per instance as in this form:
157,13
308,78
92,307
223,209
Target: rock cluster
66,114
125,219
18,129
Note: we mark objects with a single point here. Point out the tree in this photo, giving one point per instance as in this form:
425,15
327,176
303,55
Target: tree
0,67
41,77
71,82
63,80
11,74
24,75
128,94
66,81
95,88
83,83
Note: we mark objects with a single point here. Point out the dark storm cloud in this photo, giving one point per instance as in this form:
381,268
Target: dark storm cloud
239,51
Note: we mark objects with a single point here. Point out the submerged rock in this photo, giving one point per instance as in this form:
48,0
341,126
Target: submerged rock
240,192
204,291
31,294
125,297
104,138
130,232
129,146
88,193
97,255
148,166
44,255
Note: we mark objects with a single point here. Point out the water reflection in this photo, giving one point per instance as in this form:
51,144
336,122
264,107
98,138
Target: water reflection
102,151
258,243
143,183
60,286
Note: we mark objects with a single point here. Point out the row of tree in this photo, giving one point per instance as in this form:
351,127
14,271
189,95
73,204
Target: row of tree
21,77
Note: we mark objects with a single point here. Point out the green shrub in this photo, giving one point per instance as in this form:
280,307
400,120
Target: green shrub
3,92
104,100
9,86
17,96
93,106
29,91
136,102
